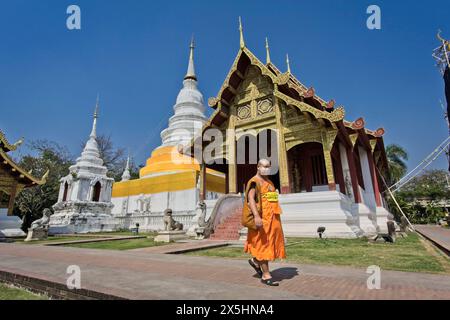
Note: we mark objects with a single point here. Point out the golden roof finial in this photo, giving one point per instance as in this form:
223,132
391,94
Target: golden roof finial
241,34
288,64
18,142
267,52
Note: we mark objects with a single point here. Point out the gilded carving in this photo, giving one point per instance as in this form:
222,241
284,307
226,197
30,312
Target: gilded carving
334,116
264,106
282,79
243,112
212,101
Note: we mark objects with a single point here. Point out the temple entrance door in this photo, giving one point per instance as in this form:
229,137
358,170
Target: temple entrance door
307,167
249,150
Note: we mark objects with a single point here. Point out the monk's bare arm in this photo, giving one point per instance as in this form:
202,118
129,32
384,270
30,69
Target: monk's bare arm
253,207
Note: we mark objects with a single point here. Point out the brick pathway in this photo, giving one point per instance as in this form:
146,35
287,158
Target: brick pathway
183,247
143,275
437,234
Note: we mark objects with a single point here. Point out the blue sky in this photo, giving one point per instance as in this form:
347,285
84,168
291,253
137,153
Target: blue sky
134,53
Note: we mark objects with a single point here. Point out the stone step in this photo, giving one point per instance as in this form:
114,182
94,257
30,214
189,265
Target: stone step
229,228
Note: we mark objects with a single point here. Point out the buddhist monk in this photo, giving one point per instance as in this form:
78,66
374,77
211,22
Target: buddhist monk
266,243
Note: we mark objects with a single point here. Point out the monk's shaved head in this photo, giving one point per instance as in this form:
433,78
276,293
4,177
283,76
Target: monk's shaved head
264,162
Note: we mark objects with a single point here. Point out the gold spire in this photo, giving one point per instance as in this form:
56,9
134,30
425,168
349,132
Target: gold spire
288,64
267,52
241,34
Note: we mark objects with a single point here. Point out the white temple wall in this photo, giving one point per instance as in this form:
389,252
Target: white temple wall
61,191
304,212
128,211
73,192
83,190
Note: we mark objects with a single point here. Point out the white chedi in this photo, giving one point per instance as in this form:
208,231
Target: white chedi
147,209
189,110
84,201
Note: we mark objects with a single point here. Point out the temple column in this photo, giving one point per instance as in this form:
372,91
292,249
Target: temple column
202,181
352,168
12,197
346,172
327,144
329,169
282,153
353,175
231,145
373,170
367,175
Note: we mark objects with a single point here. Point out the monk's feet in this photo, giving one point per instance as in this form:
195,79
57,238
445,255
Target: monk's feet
267,279
256,267
270,282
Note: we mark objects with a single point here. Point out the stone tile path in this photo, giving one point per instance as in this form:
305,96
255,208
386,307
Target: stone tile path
140,274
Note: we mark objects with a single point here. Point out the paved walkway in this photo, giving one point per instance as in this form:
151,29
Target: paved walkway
90,240
144,275
183,247
437,234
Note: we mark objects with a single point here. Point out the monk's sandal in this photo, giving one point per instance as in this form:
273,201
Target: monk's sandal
270,282
256,267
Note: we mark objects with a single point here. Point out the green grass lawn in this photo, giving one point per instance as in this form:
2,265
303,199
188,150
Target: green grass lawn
406,254
124,233
11,293
118,244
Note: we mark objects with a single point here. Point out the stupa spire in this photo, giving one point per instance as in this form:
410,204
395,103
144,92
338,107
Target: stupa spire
190,74
94,124
267,52
241,34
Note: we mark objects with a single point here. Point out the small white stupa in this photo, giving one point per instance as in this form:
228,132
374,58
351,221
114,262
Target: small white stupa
84,202
126,173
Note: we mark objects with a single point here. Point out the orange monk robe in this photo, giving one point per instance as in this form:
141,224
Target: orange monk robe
267,243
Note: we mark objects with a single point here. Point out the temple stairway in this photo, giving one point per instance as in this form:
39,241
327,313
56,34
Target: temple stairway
229,228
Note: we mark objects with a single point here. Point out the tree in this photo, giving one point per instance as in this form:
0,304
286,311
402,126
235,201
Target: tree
423,198
114,159
430,185
397,157
51,156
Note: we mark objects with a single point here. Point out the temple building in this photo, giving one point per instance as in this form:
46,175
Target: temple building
169,179
84,202
329,168
13,179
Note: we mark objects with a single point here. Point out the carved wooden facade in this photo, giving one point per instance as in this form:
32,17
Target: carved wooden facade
257,97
